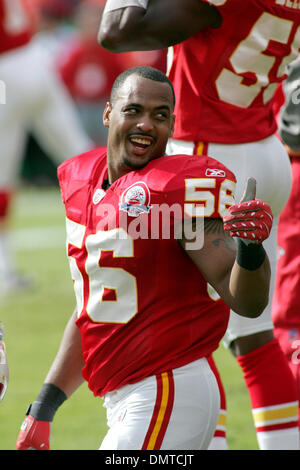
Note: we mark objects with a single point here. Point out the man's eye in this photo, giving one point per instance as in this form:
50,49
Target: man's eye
161,116
130,111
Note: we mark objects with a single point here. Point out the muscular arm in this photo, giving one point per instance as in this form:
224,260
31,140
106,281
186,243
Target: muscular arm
63,379
65,371
246,292
163,24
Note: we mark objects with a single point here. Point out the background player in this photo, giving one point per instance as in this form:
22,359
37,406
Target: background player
227,59
285,302
89,70
37,102
126,290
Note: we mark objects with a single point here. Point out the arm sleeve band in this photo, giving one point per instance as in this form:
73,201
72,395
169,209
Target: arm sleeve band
47,403
250,256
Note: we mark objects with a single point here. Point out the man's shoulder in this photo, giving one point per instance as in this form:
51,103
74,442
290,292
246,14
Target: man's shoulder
81,166
176,168
179,179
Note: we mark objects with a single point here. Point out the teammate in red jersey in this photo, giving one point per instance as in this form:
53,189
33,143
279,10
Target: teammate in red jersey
17,24
140,262
286,293
89,70
226,58
35,102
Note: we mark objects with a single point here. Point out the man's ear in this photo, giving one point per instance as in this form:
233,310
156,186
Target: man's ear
106,114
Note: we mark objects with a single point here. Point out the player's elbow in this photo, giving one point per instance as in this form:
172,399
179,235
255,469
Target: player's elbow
116,36
109,39
253,308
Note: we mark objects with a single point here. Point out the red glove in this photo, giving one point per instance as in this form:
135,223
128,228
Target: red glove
34,435
250,220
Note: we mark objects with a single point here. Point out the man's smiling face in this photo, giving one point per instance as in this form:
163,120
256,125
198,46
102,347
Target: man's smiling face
140,121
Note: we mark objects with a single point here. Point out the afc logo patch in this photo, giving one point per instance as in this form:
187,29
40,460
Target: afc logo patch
135,200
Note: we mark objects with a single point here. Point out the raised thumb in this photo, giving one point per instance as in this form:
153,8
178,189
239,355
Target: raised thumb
250,190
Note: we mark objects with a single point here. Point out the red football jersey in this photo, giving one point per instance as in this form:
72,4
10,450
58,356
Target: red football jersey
228,75
16,24
143,305
286,299
89,71
156,59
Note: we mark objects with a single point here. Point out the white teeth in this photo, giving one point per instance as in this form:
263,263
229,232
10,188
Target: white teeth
141,140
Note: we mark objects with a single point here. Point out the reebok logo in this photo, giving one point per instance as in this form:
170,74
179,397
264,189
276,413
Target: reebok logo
215,172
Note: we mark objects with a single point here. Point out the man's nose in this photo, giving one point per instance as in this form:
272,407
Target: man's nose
145,124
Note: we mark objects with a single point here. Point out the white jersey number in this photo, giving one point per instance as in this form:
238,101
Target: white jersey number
201,203
251,57
119,282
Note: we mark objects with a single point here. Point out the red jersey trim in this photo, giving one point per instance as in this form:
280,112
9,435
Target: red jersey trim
220,434
277,427
161,413
200,148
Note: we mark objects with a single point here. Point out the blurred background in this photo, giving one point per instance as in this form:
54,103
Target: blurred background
57,85
67,32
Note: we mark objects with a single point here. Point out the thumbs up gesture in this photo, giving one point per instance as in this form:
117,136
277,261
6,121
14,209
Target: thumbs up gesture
251,219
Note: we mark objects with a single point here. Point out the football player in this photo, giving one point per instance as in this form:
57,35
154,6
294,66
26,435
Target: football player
226,58
145,236
35,101
286,302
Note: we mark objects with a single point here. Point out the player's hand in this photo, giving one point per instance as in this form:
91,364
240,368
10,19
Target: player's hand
34,434
4,370
250,220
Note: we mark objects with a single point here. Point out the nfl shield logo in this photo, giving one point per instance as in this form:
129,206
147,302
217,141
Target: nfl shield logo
135,200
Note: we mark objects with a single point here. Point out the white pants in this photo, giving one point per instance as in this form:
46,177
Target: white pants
176,410
267,161
37,102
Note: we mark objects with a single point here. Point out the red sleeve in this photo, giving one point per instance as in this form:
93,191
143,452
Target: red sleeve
204,188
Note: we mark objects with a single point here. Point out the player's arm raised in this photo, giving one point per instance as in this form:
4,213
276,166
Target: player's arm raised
63,378
238,270
128,25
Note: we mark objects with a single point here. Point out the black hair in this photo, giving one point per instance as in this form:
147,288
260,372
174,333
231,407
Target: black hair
144,71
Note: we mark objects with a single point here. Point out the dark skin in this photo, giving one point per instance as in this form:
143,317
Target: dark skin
235,285
143,112
215,233
163,24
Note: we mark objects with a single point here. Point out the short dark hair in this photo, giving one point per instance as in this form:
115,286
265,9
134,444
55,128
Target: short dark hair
144,71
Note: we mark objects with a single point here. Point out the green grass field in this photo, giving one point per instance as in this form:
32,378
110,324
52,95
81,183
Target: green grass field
34,322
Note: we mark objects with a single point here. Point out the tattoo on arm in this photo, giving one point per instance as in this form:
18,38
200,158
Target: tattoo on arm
215,227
